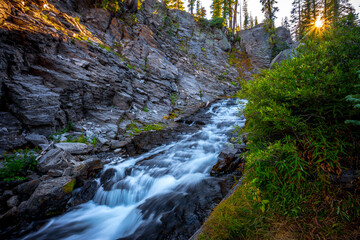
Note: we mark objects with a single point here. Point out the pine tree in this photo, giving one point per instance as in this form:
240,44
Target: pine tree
246,15
191,6
251,21
216,8
200,10
269,11
236,3
285,23
256,21
296,19
176,4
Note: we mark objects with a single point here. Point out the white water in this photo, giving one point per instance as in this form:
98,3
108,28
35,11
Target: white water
165,169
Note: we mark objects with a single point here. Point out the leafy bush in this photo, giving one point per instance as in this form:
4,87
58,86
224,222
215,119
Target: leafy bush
299,142
14,166
218,22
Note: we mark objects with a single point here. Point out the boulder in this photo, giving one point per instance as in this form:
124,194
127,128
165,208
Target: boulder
27,188
255,42
55,159
50,197
75,148
37,139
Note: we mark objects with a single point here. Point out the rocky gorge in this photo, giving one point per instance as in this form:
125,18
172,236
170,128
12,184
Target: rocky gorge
113,77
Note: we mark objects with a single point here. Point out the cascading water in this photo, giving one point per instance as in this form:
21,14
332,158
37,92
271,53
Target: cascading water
141,194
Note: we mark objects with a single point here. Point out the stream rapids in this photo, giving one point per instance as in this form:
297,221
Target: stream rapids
165,193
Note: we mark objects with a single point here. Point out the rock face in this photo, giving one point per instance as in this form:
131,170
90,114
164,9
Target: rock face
72,62
255,42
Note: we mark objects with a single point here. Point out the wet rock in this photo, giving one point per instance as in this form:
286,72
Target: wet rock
86,193
75,148
87,168
228,161
55,159
50,197
107,176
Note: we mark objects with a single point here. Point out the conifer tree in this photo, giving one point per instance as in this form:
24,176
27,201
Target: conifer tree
296,19
269,11
251,21
191,6
246,15
216,8
176,4
256,21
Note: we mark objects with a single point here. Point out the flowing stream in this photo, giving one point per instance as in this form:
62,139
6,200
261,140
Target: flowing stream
142,193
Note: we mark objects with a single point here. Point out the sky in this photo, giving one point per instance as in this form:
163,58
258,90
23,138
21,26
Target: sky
284,6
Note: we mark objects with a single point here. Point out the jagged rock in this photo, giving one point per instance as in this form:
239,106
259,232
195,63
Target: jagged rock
55,159
37,139
74,148
52,79
50,197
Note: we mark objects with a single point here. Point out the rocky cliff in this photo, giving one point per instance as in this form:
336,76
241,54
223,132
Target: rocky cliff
71,61
108,72
68,61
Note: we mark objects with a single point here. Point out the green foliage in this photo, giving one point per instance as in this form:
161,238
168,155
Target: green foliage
298,142
218,22
94,140
134,129
173,98
355,100
55,136
77,139
14,166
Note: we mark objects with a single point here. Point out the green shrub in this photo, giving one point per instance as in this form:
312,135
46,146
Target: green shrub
218,22
14,166
298,142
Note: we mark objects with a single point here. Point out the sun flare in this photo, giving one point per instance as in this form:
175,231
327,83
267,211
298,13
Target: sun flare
319,23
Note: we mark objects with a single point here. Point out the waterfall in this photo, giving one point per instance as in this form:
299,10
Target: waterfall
138,195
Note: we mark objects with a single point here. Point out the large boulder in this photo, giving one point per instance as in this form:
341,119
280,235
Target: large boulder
50,197
255,42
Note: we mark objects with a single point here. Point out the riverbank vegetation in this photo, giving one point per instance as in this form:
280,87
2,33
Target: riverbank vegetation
303,135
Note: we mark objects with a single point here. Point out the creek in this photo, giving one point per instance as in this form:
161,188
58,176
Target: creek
165,193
